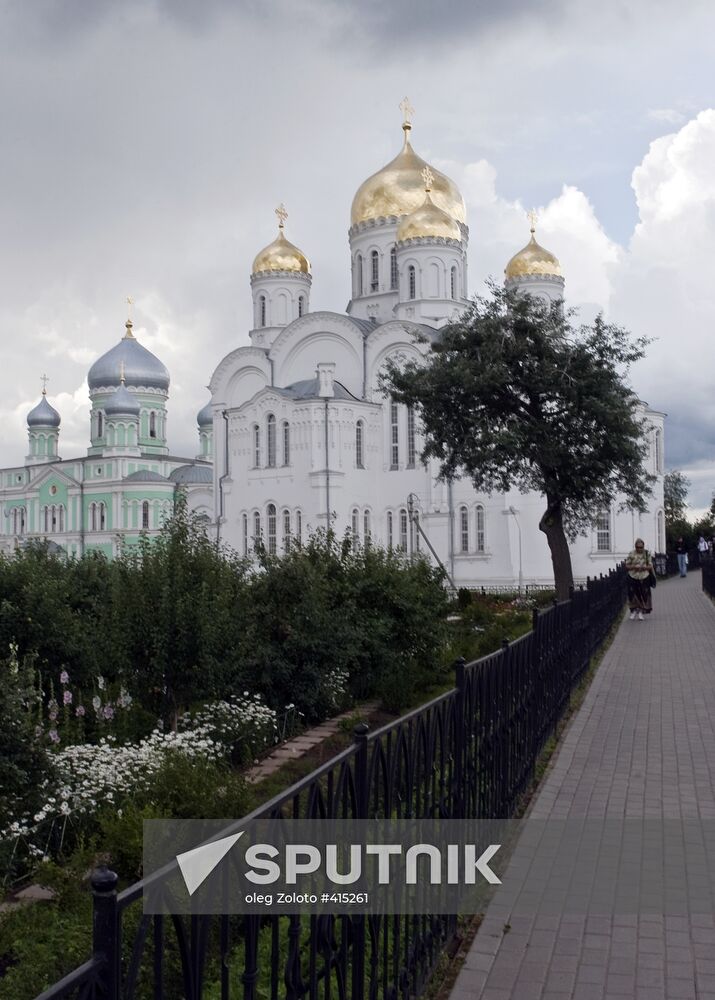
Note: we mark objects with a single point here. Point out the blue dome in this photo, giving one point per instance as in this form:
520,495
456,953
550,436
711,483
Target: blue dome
141,367
122,403
145,476
189,474
205,416
43,415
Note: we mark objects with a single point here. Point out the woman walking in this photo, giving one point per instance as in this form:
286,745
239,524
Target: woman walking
639,567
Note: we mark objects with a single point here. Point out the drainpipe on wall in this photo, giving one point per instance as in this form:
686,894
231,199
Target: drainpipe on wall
224,414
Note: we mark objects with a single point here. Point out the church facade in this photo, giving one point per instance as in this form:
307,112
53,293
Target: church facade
127,483
304,439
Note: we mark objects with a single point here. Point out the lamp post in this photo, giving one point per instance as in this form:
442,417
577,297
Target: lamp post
514,512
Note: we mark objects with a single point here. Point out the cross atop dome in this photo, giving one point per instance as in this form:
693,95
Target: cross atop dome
281,215
407,113
533,219
44,379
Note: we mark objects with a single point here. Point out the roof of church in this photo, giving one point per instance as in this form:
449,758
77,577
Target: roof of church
186,474
43,415
205,416
139,365
145,476
309,389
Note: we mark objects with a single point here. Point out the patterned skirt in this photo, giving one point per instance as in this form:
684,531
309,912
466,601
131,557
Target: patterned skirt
639,595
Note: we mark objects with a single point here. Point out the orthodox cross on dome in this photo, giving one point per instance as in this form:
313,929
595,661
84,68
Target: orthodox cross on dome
427,177
44,379
282,215
533,219
129,324
407,113
122,373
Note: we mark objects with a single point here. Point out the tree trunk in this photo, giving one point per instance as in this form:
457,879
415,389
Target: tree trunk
552,525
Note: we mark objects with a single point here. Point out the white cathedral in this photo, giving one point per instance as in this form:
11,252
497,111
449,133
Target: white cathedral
304,439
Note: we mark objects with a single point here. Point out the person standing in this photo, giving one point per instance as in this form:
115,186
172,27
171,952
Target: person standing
681,550
639,567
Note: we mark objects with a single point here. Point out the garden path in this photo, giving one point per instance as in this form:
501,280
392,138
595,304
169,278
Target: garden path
642,745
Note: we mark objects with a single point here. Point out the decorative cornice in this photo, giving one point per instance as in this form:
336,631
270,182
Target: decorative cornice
529,279
444,241
306,278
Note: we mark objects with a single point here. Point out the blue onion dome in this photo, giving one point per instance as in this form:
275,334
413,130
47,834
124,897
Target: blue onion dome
205,416
141,367
122,403
43,415
187,475
145,476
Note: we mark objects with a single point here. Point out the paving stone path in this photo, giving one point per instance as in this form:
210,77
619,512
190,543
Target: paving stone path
641,745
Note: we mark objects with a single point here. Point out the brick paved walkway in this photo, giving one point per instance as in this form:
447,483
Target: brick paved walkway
642,745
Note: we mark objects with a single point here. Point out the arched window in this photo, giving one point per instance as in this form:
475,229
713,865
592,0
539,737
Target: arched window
366,532
374,271
245,534
271,441
152,424
53,518
145,516
481,525
416,533
394,435
256,530
45,519
256,446
355,526
603,531
389,529
411,282
286,443
360,444
393,268
103,516
660,528
453,282
301,305
92,517
403,529
272,529
298,527
410,437
463,529
261,310
286,529
359,284
22,520
61,517
658,452
100,425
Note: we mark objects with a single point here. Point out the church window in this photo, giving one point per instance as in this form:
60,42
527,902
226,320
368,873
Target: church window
261,310
453,283
103,516
22,520
393,268
360,444
298,527
152,424
92,517
256,446
658,452
367,533
410,437
603,531
271,441
256,530
286,529
355,525
145,516
394,436
45,519
245,534
359,285
301,305
411,282
375,271
389,529
403,529
416,521
660,528
463,529
286,443
100,425
481,526
53,518
272,529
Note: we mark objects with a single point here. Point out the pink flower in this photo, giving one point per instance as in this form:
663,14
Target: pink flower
64,677
54,736
67,699
79,710
108,712
53,715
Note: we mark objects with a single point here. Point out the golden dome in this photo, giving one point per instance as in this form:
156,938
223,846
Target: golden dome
428,219
398,189
281,254
533,260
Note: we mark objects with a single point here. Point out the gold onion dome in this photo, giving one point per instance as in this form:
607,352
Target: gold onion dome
281,254
428,220
398,188
533,260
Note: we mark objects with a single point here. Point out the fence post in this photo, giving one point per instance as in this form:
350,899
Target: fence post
460,741
105,929
362,800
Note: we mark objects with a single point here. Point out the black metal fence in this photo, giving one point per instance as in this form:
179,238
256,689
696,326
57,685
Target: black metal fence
708,568
471,751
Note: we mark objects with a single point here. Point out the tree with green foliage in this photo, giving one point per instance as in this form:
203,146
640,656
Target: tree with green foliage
675,505
513,396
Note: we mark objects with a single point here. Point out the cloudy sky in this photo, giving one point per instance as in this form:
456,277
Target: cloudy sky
146,143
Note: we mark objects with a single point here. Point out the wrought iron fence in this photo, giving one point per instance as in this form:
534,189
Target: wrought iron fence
708,568
469,752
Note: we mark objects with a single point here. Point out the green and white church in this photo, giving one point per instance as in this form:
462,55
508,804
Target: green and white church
127,483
